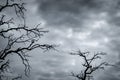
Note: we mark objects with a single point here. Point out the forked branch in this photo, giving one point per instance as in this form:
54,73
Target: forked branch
89,67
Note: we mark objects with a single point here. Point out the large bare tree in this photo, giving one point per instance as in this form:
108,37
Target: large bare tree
89,64
20,38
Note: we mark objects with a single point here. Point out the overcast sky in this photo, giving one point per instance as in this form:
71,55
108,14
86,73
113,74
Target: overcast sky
89,25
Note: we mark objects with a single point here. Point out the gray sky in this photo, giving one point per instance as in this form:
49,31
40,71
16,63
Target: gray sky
91,25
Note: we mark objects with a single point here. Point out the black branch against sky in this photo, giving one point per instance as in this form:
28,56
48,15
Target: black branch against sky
21,44
89,67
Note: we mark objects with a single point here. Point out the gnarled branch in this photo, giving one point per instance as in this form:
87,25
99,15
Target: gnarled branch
89,68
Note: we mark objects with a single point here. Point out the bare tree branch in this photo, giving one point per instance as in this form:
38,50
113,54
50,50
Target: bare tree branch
21,39
89,68
19,8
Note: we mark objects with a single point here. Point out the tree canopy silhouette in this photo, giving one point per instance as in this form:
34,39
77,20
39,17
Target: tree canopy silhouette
20,39
88,65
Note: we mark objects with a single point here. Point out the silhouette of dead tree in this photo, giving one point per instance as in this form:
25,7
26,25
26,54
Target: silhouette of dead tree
88,66
21,39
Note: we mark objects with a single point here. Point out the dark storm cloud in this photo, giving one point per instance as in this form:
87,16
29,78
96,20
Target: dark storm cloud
73,13
66,12
76,14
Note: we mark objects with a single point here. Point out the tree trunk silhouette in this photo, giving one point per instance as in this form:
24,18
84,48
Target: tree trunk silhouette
89,67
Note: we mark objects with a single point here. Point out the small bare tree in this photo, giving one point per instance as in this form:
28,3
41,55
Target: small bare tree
88,64
20,39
